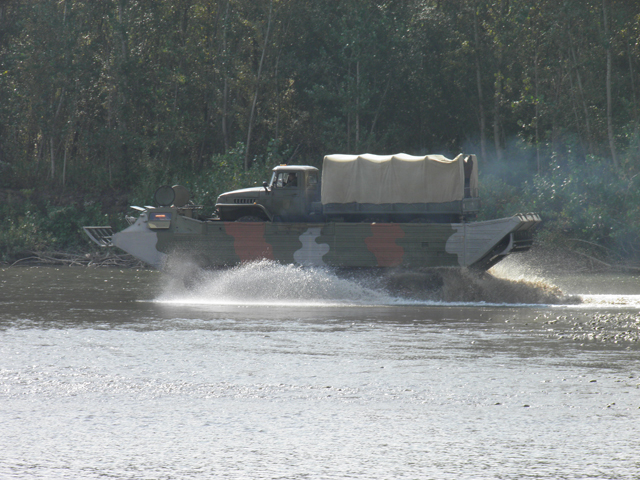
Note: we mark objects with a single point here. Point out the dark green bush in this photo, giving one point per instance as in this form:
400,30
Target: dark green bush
26,227
583,202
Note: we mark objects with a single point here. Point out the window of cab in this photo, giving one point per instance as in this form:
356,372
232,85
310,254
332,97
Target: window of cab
285,179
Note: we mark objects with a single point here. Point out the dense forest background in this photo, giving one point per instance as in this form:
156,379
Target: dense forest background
103,101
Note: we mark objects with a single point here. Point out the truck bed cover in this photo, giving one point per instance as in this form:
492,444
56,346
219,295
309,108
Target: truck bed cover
401,178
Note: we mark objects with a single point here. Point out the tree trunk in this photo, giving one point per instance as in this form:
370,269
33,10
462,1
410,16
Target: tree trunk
358,106
555,121
496,116
636,127
349,108
633,85
64,167
247,163
375,117
225,88
53,159
225,128
278,99
483,146
575,109
537,108
122,87
612,144
277,129
123,43
582,95
53,126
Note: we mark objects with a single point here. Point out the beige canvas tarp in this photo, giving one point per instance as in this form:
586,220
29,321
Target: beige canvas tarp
398,178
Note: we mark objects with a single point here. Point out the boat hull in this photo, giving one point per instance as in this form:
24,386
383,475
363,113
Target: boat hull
216,244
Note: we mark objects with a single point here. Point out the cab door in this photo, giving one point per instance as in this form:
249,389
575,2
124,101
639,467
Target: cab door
288,196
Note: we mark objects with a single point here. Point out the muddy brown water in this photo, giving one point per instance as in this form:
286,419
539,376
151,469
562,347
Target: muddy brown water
270,371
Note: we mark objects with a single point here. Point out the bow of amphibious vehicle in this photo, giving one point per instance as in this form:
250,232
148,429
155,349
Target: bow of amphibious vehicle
175,229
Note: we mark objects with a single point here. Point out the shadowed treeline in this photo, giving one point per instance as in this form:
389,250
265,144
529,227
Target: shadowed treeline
99,98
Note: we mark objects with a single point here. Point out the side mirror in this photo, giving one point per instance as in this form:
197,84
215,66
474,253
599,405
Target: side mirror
266,186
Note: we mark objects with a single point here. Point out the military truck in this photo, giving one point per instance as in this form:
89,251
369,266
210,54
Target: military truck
365,211
362,188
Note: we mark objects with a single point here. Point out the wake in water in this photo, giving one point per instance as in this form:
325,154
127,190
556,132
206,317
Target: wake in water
270,283
592,289
454,285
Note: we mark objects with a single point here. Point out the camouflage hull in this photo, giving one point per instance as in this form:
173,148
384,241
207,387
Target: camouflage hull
215,244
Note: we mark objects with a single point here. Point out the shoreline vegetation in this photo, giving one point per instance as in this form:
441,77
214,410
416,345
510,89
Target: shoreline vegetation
103,102
63,259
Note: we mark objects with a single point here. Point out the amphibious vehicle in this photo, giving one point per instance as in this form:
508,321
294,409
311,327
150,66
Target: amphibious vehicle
361,211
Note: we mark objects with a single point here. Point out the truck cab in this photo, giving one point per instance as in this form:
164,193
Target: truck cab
289,196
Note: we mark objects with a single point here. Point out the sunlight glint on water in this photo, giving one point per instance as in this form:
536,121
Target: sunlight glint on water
121,374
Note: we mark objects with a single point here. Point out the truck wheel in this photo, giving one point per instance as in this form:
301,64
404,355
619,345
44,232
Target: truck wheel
249,218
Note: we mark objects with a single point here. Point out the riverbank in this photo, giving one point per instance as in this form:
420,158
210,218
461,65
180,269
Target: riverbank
93,259
540,260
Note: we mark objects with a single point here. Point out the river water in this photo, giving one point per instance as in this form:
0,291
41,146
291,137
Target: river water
273,372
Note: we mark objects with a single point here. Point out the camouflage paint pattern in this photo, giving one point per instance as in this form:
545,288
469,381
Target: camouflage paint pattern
411,245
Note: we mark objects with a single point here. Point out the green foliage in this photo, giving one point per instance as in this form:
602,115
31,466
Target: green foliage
20,233
106,93
224,172
499,199
227,173
26,227
588,201
578,201
127,96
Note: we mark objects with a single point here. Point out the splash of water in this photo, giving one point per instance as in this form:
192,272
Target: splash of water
458,285
551,270
519,267
270,283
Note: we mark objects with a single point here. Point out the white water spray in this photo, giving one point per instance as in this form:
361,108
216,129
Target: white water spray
595,289
269,283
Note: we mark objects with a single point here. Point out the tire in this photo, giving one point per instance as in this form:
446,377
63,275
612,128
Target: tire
249,218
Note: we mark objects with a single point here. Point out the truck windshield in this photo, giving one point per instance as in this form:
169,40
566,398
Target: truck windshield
284,179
